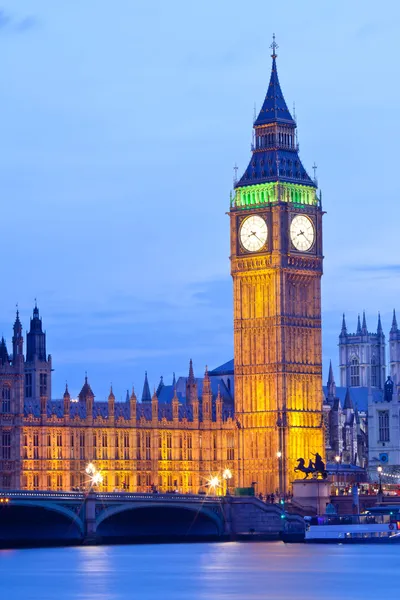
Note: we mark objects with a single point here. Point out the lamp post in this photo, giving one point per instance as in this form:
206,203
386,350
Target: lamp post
227,475
337,459
279,457
379,469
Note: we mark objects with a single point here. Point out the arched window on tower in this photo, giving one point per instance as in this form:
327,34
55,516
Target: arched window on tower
6,400
354,372
374,372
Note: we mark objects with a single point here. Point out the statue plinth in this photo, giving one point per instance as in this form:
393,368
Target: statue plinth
311,494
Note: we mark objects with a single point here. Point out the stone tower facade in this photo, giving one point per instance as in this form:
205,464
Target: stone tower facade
362,355
276,265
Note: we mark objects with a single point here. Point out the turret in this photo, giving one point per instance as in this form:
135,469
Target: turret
4,358
66,401
207,397
132,408
191,385
394,350
154,407
146,396
218,406
160,386
331,384
18,342
111,405
36,339
175,407
86,395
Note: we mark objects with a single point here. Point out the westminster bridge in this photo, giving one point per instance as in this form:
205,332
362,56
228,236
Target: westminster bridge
75,517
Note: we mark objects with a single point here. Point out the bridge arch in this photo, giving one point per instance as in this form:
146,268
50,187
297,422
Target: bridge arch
141,519
30,520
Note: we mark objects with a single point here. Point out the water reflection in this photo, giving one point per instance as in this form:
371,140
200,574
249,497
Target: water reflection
201,571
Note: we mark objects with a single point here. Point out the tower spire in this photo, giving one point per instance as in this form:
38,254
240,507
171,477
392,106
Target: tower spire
274,152
344,328
364,329
146,396
358,326
394,328
379,328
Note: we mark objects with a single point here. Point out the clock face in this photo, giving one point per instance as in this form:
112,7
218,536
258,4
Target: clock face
253,233
302,233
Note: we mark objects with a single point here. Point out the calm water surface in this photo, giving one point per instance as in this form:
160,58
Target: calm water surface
198,571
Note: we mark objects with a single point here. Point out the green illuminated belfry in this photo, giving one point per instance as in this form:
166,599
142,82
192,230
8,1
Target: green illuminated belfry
275,172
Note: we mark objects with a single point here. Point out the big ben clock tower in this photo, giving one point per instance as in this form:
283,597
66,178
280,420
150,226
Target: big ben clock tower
276,265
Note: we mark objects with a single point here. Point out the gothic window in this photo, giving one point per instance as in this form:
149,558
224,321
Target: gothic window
189,447
28,385
230,447
354,373
36,482
59,445
374,372
160,446
126,446
48,447
117,447
59,482
383,417
148,446
104,446
82,445
35,445
43,384
138,446
6,445
200,447
215,449
169,446
6,400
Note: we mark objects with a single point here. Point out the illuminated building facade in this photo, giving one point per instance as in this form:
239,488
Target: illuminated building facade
182,435
172,440
276,265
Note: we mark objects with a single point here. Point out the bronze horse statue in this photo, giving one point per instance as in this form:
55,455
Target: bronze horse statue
314,468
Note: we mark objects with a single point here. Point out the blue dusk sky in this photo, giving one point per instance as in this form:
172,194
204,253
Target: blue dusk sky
120,125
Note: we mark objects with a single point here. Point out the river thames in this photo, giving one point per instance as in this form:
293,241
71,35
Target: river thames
198,571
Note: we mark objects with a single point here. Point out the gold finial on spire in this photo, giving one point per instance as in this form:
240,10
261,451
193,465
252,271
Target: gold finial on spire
274,47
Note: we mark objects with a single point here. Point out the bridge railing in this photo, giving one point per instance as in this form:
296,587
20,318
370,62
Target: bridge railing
53,495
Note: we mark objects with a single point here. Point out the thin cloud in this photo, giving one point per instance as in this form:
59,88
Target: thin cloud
15,24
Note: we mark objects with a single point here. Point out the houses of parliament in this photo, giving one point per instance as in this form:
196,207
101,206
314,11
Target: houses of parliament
251,417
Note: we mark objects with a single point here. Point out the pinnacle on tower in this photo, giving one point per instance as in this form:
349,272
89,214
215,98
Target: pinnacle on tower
4,358
133,395
364,329
348,403
173,380
331,378
344,328
394,328
86,391
275,151
111,394
379,328
358,326
191,379
146,396
67,395
160,386
17,325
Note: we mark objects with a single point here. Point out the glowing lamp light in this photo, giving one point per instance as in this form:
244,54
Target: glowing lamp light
337,458
90,469
97,478
379,469
279,454
227,474
213,483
